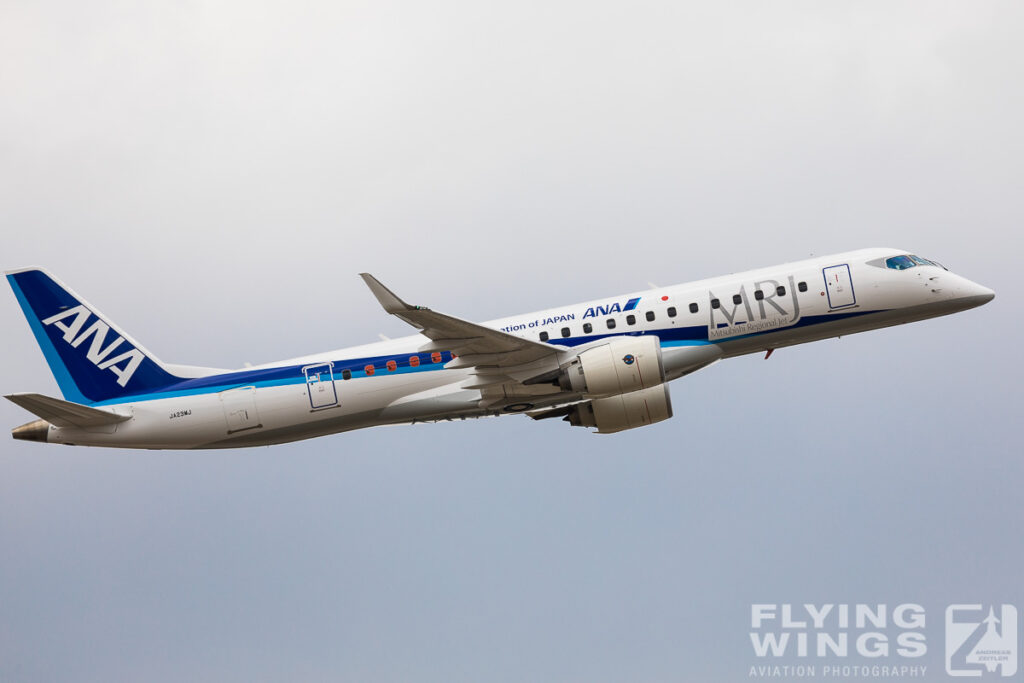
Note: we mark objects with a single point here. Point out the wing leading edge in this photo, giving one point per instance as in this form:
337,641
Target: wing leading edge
490,351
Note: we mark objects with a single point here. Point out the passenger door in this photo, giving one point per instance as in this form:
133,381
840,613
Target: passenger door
839,286
320,386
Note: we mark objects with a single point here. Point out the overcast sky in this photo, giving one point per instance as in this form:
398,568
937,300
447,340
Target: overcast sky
215,175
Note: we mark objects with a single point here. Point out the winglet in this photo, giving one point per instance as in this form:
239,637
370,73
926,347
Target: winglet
388,299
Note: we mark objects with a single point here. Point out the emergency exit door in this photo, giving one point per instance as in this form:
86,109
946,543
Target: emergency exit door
320,386
839,286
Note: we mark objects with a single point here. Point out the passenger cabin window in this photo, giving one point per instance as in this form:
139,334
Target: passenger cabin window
435,357
802,286
610,322
694,308
737,299
414,361
587,328
346,374
715,303
392,366
631,319
780,291
565,331
758,294
650,316
543,336
671,311
368,370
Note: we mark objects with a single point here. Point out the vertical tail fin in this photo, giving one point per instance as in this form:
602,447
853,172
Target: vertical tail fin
91,359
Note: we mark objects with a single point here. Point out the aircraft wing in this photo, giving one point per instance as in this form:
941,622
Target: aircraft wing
489,350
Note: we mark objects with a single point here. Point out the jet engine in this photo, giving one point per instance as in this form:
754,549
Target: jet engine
623,365
623,411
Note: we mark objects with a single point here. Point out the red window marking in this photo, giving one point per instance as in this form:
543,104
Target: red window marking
369,370
392,366
664,298
414,361
435,357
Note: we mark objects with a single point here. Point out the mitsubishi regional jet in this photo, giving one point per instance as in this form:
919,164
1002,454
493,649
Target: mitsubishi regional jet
603,364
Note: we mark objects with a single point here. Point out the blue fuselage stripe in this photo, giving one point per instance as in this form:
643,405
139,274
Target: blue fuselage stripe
293,374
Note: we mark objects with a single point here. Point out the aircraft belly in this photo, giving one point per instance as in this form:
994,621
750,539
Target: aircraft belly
863,322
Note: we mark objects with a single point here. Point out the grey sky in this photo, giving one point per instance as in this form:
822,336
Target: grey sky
214,176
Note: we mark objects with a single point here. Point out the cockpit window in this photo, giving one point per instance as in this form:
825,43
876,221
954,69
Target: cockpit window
899,263
909,261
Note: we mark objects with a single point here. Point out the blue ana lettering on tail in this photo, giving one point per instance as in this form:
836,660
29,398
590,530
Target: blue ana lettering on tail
123,365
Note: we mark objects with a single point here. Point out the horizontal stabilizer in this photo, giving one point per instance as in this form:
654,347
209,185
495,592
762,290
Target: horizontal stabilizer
64,413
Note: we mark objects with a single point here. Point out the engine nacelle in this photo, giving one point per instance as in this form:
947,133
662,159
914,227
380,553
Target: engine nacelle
623,365
624,411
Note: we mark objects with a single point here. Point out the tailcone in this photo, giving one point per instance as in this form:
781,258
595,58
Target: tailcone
32,431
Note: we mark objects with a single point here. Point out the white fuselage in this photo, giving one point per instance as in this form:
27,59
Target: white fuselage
378,384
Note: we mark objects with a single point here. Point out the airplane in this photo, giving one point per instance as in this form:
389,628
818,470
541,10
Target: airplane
603,364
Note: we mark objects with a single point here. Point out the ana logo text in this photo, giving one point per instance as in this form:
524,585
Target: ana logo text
122,365
595,311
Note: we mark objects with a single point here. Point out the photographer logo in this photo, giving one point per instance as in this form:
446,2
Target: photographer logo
981,640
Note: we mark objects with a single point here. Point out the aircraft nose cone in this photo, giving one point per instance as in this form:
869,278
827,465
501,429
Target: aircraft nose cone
983,294
974,294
